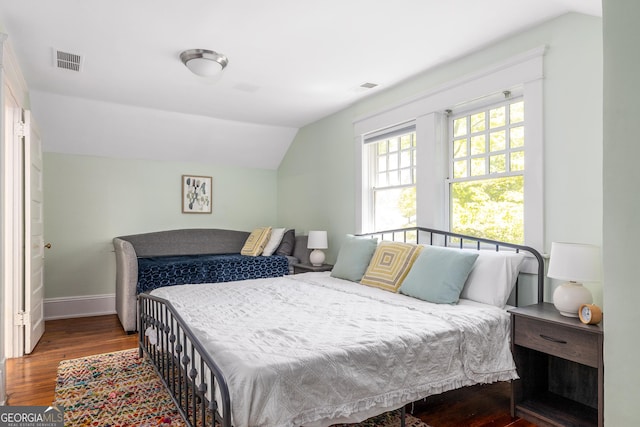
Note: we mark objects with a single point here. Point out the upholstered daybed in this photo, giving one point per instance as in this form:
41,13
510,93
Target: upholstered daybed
165,258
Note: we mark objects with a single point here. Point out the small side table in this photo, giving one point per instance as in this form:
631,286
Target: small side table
306,268
561,368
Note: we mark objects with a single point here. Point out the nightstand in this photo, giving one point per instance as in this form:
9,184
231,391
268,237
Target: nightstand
306,268
559,361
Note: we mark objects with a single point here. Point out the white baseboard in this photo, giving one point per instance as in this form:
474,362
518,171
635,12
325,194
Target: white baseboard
80,306
3,396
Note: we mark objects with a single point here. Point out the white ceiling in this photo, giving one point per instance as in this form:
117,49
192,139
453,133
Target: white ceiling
291,62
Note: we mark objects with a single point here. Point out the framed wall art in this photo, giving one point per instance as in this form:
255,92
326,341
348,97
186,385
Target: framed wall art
196,194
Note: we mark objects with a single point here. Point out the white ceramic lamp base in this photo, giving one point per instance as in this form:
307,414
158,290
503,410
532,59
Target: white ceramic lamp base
569,296
316,257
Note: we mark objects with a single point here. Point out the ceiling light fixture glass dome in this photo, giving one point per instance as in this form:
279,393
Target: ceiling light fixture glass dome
204,63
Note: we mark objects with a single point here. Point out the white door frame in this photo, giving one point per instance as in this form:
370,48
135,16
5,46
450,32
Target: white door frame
13,97
13,260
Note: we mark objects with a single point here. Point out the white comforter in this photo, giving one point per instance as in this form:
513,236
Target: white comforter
314,350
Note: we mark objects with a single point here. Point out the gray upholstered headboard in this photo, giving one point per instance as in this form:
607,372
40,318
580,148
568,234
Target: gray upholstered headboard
195,241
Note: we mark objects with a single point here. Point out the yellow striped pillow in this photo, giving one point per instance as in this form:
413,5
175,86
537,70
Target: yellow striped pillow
390,264
256,241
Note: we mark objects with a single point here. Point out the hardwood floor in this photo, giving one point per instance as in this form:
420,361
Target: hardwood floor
31,379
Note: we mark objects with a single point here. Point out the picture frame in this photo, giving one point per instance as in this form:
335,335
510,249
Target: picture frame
197,194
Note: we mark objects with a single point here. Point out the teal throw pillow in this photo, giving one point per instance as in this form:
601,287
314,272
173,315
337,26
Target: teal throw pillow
438,275
354,257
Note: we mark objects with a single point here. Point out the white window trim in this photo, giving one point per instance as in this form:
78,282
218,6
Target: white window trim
524,74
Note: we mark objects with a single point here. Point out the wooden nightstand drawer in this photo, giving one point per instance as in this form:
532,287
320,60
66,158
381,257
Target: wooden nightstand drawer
557,340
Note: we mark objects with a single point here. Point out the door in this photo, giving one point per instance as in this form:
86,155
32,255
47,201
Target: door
33,236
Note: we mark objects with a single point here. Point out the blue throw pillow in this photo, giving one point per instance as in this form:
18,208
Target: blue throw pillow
438,275
353,258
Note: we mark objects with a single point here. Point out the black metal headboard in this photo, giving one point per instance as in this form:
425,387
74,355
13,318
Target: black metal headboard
422,235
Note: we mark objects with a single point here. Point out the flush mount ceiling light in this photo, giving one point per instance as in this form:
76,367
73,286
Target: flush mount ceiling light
202,62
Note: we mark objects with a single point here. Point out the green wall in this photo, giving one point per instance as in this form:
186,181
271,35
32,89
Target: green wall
621,211
91,200
316,179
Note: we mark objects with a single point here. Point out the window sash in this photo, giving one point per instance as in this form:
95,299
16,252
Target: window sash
399,172
469,157
476,123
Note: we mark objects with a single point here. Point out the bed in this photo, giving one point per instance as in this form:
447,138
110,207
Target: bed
316,350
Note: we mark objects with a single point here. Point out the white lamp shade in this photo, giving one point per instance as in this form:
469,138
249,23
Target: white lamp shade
317,240
575,262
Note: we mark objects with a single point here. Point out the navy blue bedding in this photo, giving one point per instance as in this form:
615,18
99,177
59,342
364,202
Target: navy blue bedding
156,272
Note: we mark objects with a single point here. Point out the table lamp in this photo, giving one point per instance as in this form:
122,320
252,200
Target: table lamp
575,263
317,241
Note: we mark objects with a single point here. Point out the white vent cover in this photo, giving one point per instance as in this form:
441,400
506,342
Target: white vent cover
66,60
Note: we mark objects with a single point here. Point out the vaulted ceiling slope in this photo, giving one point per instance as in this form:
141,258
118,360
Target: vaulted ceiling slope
291,62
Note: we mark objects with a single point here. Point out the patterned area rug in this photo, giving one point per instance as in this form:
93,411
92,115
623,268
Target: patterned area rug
120,389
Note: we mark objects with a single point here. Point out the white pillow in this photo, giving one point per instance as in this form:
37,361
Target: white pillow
274,241
493,277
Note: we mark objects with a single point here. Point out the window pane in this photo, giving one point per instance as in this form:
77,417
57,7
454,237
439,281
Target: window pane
497,117
382,180
478,144
382,147
459,148
405,176
405,141
517,161
394,177
415,158
382,164
393,144
497,164
497,141
491,208
395,208
478,122
516,137
478,166
516,112
405,159
460,169
460,126
393,161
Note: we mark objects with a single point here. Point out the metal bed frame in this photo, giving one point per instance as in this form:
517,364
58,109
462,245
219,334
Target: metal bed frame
194,380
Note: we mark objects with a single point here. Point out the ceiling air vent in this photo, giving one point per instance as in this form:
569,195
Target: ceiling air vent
67,61
368,85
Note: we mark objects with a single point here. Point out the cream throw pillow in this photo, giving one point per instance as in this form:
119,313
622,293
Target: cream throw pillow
256,241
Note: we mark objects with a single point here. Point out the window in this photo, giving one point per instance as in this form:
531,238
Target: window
486,172
498,155
392,178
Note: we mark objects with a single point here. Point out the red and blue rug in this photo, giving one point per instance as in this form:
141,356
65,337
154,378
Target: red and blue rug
120,389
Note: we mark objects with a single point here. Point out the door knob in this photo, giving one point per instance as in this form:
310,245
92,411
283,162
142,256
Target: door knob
48,246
